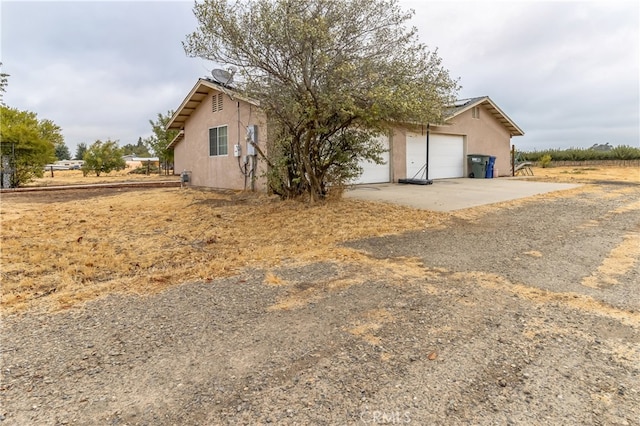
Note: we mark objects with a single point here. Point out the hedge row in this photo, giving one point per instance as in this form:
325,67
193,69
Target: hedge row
621,152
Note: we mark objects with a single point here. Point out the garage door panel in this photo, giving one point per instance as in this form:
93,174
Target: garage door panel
376,173
446,155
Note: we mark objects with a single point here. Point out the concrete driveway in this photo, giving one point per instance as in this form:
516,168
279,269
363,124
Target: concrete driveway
447,195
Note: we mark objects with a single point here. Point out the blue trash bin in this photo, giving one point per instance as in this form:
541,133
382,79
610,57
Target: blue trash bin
489,171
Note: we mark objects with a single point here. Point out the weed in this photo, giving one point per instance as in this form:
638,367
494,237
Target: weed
545,161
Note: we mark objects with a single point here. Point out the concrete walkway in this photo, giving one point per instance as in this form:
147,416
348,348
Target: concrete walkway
455,194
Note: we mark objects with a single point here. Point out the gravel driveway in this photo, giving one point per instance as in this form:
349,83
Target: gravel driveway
527,315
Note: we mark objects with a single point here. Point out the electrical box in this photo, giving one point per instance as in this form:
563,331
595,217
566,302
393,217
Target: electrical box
237,150
252,138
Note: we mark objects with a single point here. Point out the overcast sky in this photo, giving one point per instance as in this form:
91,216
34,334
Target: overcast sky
567,72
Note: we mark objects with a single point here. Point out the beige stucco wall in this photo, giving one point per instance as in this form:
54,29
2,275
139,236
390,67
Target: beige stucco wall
192,153
484,135
398,154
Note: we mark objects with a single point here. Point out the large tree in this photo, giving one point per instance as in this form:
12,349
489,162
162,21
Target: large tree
139,149
161,138
27,142
53,133
103,157
62,152
329,74
80,150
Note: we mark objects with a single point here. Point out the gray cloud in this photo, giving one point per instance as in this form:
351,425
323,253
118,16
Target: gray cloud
98,69
566,72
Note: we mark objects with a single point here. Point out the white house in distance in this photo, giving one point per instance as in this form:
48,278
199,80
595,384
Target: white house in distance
213,121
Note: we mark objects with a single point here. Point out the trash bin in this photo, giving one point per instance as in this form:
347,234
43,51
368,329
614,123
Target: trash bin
477,165
490,165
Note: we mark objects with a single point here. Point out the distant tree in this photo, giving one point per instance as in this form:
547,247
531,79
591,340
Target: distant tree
161,138
24,135
4,80
330,76
139,149
62,152
103,157
53,133
80,150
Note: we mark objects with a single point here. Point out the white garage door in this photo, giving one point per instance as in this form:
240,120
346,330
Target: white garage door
446,156
376,173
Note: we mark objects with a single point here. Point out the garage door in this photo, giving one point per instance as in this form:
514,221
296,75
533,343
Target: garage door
376,173
446,156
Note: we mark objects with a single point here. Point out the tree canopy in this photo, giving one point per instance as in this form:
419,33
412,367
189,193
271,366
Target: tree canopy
62,152
161,137
329,74
80,150
139,149
28,142
103,157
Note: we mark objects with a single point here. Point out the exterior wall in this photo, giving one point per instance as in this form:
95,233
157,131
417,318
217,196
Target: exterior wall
398,153
484,135
192,153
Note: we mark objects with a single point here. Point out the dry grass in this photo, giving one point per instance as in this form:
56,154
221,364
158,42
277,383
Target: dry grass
621,259
75,177
587,174
57,254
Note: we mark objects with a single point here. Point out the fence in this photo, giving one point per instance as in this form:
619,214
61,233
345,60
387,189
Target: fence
600,163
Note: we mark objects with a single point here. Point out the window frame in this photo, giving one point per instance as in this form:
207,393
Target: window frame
218,145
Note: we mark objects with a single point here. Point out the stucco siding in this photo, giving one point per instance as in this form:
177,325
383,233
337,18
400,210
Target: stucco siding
222,171
484,135
398,154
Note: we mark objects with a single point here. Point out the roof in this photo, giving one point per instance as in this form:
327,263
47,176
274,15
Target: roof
463,105
136,158
200,91
177,139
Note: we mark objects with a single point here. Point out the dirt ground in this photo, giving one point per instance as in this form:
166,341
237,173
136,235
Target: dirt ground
519,313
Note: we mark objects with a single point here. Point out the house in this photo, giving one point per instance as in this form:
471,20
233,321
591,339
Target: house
133,161
471,126
217,125
217,129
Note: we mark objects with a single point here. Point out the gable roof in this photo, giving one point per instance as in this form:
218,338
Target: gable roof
463,105
200,91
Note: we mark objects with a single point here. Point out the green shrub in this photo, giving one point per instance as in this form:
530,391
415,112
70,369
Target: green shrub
103,157
625,152
142,170
622,152
545,161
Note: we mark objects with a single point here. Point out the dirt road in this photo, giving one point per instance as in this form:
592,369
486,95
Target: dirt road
529,314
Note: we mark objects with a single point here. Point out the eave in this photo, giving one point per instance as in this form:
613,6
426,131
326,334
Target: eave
200,91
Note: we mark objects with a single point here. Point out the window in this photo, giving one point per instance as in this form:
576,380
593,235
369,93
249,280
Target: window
218,141
217,102
475,112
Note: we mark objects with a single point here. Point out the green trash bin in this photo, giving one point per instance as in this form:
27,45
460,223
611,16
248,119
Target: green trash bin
477,165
